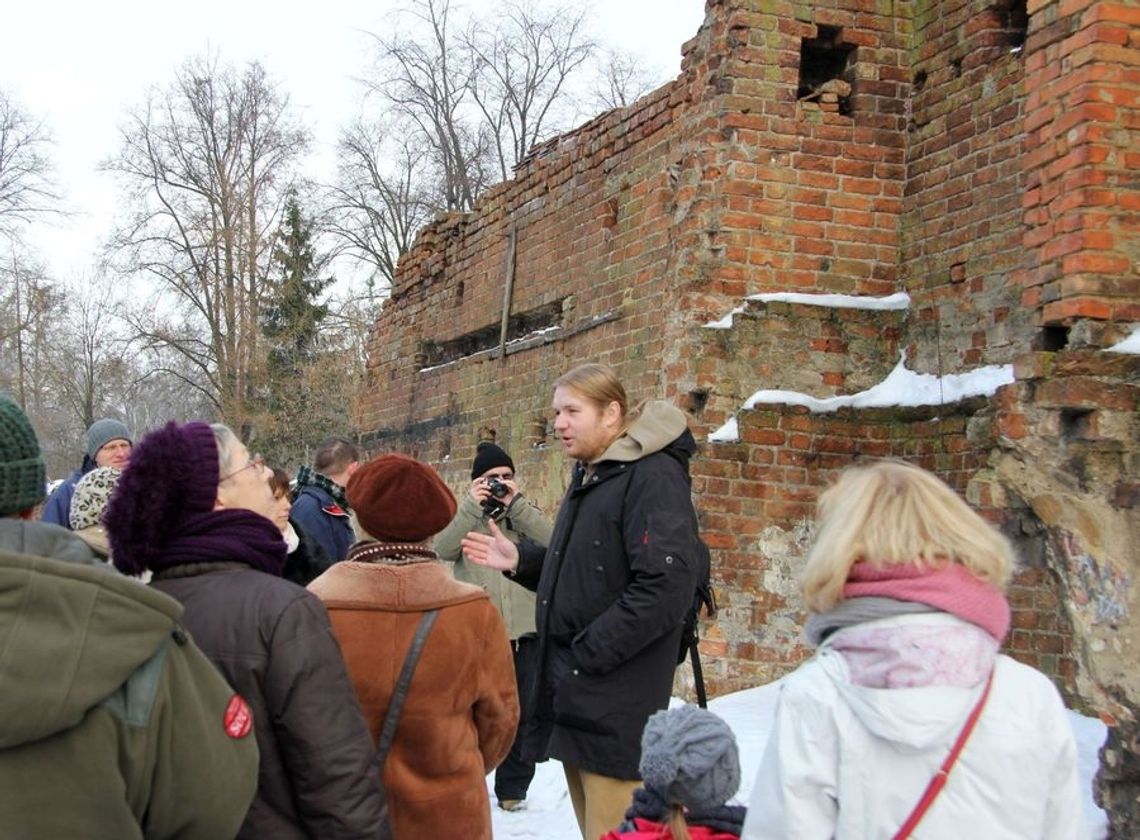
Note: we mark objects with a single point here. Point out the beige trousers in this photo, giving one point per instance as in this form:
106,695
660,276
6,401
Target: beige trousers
599,802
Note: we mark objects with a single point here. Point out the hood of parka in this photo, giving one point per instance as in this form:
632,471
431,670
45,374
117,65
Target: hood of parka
43,539
655,426
70,636
910,718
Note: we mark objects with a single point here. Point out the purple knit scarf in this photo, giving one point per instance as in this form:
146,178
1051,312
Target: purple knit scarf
235,535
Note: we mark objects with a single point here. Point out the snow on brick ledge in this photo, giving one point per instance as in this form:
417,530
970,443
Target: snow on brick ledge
902,387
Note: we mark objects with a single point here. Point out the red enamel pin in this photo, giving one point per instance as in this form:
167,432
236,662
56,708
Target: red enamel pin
238,719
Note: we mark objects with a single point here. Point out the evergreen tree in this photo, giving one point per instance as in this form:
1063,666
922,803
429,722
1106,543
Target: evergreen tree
291,320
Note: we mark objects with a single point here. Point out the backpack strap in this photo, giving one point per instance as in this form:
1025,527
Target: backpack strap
698,675
939,780
400,694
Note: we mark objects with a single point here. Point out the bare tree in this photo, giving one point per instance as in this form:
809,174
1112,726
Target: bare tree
90,365
29,300
26,186
620,81
379,202
205,164
520,64
426,81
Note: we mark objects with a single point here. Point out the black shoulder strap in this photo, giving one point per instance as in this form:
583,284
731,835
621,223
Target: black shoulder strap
401,693
698,675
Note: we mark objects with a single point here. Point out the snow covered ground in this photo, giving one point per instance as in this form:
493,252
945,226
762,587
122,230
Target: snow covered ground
549,816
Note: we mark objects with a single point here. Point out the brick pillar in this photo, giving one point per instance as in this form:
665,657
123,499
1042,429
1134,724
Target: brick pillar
1082,149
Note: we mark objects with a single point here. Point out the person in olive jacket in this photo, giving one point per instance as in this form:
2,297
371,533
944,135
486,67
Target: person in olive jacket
193,508
613,587
112,722
518,518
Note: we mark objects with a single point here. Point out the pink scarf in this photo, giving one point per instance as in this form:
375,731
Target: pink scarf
953,589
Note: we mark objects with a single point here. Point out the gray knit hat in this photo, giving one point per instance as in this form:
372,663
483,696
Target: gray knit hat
23,480
689,756
91,496
102,432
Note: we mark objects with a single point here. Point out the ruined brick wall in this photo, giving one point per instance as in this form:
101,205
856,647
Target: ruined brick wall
852,147
1066,465
962,226
757,502
1081,156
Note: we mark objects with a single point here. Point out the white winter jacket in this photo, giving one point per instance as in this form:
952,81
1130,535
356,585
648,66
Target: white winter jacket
850,762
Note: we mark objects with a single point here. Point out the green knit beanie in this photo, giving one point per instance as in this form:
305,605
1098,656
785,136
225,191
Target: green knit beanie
22,475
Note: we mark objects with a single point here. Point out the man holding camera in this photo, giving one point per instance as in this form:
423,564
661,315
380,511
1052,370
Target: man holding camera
495,495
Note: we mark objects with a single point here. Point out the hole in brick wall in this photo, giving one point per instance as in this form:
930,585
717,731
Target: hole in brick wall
1077,423
697,400
1054,337
459,293
826,76
1013,18
485,433
520,325
956,66
540,431
919,80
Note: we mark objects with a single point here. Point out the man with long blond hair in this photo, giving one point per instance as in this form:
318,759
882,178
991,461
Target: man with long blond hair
905,586
613,587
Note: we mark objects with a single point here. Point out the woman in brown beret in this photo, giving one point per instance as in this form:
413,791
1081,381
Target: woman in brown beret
459,715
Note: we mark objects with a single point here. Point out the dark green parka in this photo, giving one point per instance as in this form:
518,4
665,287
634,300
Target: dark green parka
112,722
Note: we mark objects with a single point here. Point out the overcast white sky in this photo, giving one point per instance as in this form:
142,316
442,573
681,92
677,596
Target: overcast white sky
80,65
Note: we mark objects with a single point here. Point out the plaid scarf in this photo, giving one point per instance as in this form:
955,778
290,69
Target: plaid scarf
306,476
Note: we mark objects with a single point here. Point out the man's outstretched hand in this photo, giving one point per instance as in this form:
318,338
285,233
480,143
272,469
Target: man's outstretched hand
494,551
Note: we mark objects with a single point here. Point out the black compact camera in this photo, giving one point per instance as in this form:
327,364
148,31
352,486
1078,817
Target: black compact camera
492,505
497,488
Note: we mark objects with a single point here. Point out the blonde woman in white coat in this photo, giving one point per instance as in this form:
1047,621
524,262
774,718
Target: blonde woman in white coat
905,585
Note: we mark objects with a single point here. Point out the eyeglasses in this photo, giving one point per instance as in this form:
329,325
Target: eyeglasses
255,461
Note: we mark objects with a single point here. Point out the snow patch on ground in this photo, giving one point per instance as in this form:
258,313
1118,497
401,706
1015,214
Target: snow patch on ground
548,814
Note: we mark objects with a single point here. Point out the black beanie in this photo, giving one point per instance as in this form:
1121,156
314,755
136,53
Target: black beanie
487,457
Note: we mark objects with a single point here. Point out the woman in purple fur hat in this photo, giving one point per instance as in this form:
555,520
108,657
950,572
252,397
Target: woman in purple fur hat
193,509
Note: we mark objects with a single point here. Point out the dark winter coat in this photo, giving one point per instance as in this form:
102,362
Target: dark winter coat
112,722
272,641
307,561
57,508
324,520
612,590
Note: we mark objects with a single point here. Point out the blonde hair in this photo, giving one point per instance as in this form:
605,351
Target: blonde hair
888,513
677,825
597,383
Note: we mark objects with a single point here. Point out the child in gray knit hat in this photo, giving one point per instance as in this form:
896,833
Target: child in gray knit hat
690,768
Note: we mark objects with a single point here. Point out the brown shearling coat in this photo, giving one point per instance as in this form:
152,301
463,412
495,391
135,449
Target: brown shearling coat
461,712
